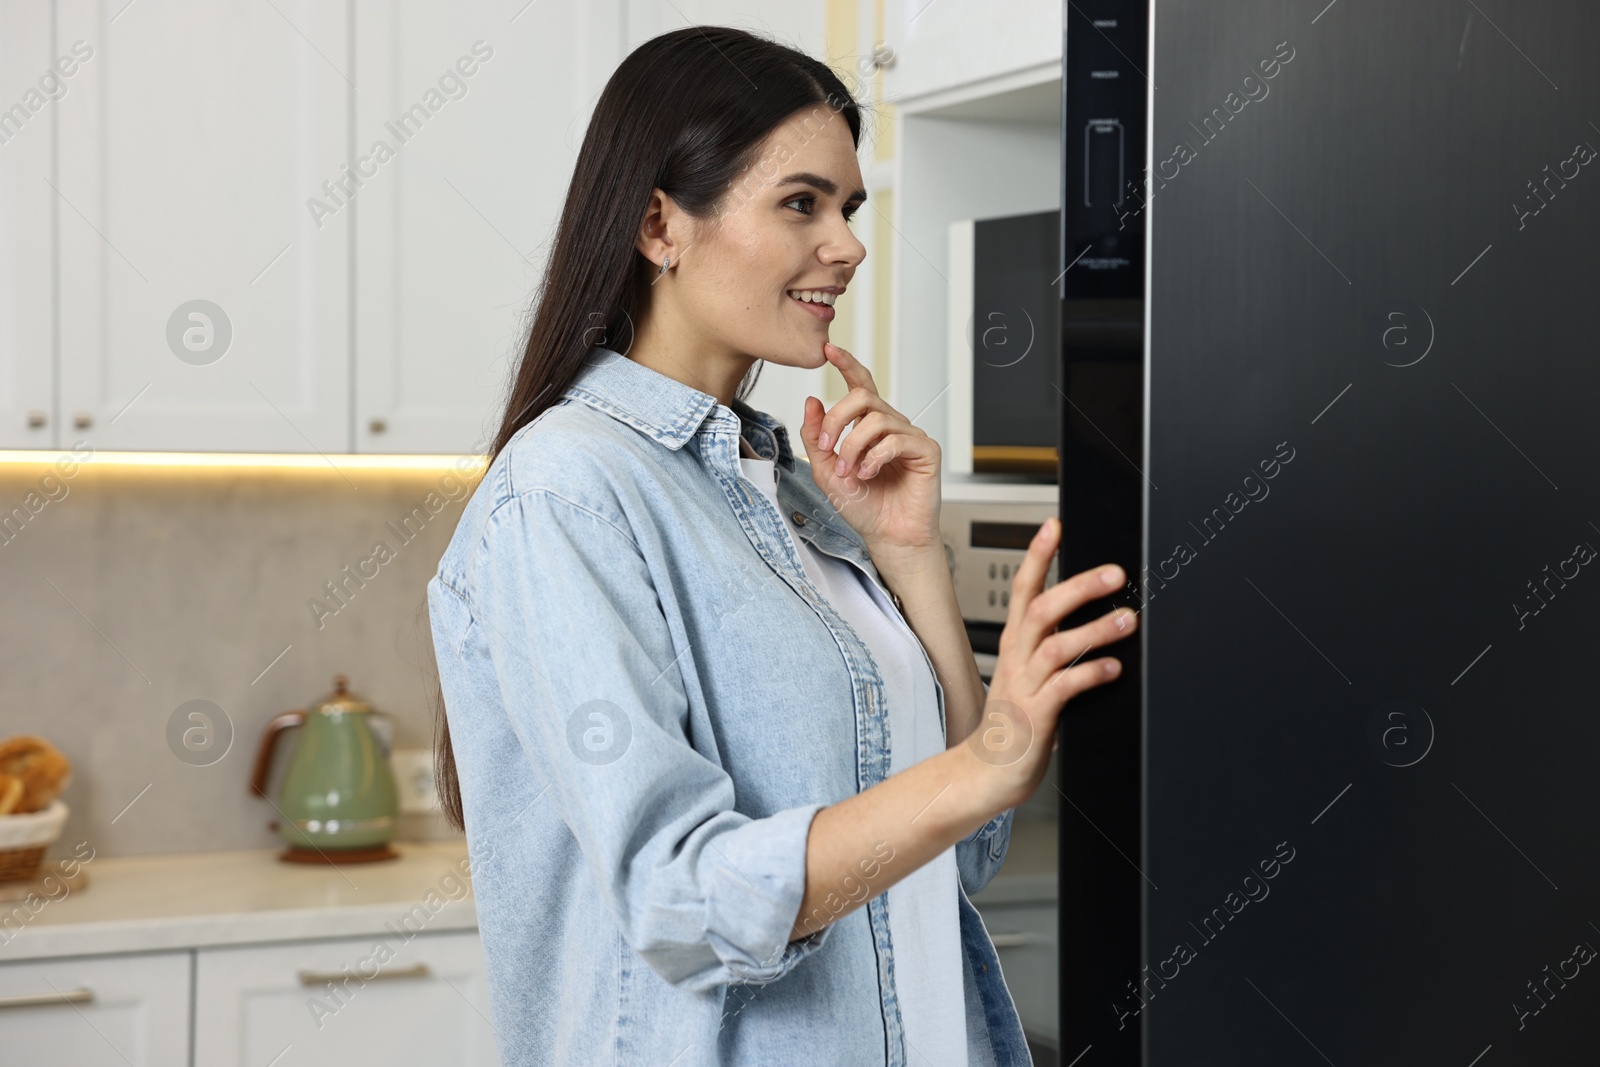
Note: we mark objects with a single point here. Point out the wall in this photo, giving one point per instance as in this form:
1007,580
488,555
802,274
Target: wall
134,590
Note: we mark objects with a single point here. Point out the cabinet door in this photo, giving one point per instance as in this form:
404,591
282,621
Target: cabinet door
468,122
380,999
96,1010
205,264
949,46
34,87
1024,937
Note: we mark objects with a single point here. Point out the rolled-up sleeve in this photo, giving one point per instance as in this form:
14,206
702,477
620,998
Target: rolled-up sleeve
590,674
980,854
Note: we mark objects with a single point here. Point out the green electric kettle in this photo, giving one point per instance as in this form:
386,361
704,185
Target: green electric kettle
338,802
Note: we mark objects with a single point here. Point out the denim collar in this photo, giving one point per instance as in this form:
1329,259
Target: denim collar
672,413
667,409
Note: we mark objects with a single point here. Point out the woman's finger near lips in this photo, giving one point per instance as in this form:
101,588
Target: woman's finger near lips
872,463
854,371
856,377
885,452
853,406
875,461
870,429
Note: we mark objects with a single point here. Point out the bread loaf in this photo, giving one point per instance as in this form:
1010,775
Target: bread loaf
35,765
10,793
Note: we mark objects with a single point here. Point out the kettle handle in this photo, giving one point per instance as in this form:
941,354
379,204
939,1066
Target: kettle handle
269,739
381,726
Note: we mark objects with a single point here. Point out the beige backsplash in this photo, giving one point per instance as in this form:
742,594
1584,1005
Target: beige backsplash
138,589
130,591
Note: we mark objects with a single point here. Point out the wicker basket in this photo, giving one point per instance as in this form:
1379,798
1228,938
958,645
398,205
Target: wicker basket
25,838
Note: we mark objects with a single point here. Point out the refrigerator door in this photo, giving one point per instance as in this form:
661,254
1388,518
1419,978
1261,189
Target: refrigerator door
1369,549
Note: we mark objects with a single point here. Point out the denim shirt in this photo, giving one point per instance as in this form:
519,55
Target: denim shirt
648,702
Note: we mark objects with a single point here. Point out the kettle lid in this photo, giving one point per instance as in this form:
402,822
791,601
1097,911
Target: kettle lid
341,699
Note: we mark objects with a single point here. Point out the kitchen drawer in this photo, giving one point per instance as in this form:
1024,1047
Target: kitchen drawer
1024,936
92,1010
383,999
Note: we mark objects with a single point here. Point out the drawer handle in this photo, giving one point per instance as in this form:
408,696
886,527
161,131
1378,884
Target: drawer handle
32,1000
1015,940
318,978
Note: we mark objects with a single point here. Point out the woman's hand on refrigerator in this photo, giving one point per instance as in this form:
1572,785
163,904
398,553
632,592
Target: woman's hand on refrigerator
1039,669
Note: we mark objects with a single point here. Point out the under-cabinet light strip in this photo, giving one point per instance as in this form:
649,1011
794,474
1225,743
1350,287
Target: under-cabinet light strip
246,460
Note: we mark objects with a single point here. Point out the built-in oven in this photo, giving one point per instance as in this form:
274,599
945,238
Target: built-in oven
986,525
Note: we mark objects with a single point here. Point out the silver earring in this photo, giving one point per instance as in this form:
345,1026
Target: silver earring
664,264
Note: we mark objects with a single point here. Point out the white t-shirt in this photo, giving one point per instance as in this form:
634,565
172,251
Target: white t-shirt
924,923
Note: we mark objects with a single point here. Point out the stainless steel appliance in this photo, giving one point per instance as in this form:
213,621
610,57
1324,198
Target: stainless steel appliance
986,524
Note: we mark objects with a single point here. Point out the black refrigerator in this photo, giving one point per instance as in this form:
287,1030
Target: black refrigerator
1329,368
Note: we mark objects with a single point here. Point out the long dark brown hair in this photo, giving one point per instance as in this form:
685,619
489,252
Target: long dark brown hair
686,113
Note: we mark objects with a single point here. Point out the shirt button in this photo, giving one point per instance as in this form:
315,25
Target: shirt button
799,519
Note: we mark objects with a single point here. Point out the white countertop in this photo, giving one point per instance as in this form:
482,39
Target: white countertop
191,900
195,899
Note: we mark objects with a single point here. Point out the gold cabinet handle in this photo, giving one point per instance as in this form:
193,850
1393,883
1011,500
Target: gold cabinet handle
317,978
33,1000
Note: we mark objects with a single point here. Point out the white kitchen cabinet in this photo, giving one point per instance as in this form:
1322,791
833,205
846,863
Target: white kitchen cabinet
337,1002
969,48
32,86
192,150
222,260
91,1011
468,120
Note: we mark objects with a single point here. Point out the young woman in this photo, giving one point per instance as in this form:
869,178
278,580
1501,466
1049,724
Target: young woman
725,763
